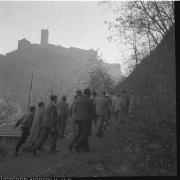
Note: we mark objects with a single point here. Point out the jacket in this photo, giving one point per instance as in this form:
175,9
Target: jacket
50,116
83,109
62,108
37,125
102,105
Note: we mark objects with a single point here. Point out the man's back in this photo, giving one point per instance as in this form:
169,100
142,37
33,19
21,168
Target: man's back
62,108
50,117
101,105
83,109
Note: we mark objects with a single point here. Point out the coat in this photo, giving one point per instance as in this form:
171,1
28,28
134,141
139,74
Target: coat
83,109
117,104
62,108
102,105
37,125
50,116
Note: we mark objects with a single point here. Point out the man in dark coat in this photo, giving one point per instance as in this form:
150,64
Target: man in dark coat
83,118
26,123
49,125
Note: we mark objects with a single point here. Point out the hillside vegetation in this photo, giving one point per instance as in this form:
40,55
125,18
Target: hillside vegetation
154,84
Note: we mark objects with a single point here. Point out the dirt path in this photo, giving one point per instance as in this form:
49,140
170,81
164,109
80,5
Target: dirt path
108,157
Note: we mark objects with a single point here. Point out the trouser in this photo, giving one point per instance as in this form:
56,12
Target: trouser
101,119
121,118
24,136
46,132
81,141
63,122
75,133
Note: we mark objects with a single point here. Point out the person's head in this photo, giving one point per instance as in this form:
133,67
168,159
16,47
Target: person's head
87,92
64,98
41,104
53,98
79,92
32,109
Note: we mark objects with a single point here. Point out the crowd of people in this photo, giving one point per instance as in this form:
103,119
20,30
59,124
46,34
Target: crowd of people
88,109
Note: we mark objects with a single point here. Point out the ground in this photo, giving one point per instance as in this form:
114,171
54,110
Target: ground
110,155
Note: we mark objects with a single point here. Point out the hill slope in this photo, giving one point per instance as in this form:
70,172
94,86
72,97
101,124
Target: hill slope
154,84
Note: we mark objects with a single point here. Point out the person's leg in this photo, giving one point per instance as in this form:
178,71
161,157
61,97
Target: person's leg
79,141
61,126
100,126
119,119
53,140
76,135
43,137
65,123
82,142
22,140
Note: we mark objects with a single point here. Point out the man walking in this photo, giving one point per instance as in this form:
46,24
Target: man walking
117,106
49,125
37,125
26,123
102,108
83,117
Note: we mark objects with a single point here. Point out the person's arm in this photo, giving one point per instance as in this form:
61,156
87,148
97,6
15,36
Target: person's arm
18,122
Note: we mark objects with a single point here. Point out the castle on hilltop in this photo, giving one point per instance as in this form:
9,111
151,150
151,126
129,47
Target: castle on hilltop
24,43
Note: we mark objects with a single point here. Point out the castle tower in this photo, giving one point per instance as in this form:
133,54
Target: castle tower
44,37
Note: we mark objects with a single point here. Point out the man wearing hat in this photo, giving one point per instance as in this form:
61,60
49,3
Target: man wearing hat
49,125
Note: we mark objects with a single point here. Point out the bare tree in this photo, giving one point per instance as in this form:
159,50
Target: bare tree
140,25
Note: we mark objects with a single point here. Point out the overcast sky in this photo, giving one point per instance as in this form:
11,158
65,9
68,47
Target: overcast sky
77,24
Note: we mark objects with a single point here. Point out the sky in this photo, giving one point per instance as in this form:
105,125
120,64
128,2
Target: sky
70,24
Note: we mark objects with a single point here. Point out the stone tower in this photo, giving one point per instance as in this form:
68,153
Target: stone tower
44,37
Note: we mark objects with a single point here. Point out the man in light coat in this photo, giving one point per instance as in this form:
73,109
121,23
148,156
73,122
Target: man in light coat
37,125
117,106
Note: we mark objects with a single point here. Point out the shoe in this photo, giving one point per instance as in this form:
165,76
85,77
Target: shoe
15,153
86,150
